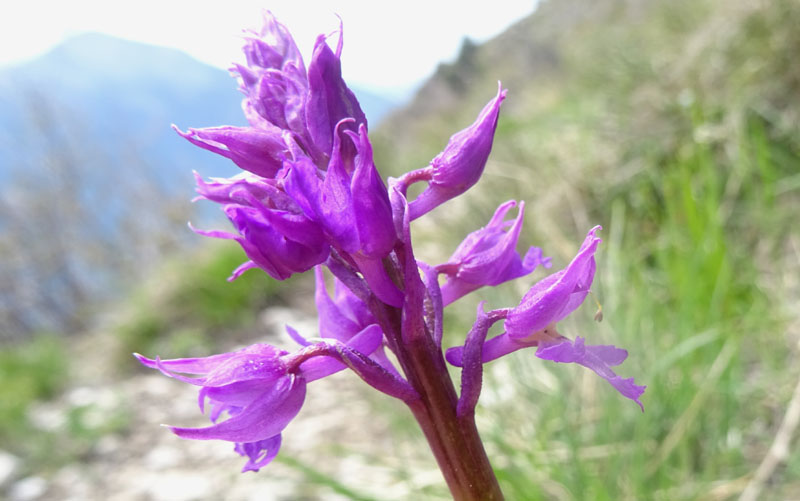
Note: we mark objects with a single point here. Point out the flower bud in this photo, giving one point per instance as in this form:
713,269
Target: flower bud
460,165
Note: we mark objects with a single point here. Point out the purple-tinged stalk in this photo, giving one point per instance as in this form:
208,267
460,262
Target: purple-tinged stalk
311,197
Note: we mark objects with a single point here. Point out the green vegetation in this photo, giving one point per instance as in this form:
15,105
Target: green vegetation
31,371
190,309
673,125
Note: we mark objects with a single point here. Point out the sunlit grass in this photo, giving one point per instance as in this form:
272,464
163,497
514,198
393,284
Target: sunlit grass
679,291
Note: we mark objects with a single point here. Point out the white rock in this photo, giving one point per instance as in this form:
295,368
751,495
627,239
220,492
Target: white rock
180,487
28,489
163,457
72,484
9,465
47,417
81,396
108,445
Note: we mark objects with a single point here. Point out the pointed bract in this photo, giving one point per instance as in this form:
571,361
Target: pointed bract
342,316
329,99
371,207
459,166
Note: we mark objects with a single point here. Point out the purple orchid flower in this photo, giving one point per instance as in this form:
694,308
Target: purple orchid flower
308,151
262,388
488,256
275,83
533,323
311,197
279,242
253,387
459,166
352,207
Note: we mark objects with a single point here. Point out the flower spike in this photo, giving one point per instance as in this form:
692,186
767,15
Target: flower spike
310,196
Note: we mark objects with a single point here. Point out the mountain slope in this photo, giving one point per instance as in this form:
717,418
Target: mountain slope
674,125
91,161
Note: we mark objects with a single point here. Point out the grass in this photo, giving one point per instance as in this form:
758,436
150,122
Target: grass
34,374
190,309
688,244
680,292
31,371
691,168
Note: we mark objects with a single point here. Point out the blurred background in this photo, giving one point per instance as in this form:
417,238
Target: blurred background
674,124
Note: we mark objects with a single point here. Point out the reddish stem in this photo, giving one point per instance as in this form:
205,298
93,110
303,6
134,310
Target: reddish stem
454,440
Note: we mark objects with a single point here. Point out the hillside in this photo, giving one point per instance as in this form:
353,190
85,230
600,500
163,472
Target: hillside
674,125
90,160
601,96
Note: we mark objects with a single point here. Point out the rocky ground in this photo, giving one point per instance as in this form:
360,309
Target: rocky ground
342,432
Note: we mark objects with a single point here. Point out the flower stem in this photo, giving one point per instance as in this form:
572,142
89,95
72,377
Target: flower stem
454,440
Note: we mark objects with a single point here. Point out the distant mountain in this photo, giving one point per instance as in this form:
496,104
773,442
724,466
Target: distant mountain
96,184
125,95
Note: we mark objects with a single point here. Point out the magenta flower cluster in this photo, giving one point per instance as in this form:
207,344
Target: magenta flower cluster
310,196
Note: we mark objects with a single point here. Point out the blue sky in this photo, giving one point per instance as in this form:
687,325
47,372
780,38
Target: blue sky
389,46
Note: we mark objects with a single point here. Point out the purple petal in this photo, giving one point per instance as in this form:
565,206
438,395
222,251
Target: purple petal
598,359
329,99
557,295
461,163
246,366
333,323
274,79
488,256
296,337
239,394
276,253
295,228
336,197
350,305
205,365
328,202
379,281
256,150
265,417
303,184
371,207
259,454
279,98
186,365
274,47
241,189
247,265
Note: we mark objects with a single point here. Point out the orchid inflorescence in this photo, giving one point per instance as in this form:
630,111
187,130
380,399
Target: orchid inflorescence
310,196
